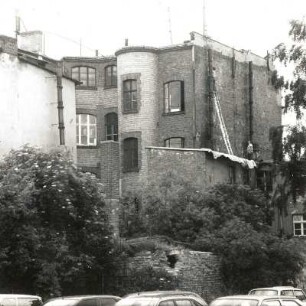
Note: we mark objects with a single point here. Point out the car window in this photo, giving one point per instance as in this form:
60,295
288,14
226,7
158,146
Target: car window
263,292
106,301
88,302
24,301
271,303
300,295
166,303
234,302
196,303
183,303
287,292
289,303
8,302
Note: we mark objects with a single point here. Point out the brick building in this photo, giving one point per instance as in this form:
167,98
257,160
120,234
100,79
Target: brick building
163,97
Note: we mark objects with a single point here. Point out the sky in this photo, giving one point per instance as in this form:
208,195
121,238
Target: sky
74,28
79,28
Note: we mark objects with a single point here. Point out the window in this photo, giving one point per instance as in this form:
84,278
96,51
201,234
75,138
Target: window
271,303
166,303
264,180
299,225
232,174
289,303
287,292
111,123
86,75
174,96
130,96
300,295
88,302
86,130
111,76
183,303
174,142
130,151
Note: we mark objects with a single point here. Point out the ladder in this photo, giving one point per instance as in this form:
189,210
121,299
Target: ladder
222,124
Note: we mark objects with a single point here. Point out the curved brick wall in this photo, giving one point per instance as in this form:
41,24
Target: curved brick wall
140,65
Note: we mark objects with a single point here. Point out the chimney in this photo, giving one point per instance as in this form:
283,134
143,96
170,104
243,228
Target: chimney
31,41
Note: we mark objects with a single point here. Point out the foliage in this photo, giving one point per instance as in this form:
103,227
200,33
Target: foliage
231,220
54,234
293,167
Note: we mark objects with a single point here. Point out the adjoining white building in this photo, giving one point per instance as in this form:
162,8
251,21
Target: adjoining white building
37,103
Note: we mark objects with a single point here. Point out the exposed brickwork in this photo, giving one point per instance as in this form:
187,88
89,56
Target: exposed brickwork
152,67
194,165
199,272
109,162
8,45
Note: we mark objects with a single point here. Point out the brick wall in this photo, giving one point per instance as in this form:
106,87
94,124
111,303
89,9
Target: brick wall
8,45
139,64
194,165
176,65
195,271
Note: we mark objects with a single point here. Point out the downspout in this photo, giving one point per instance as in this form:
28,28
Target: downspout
210,100
60,104
194,131
251,131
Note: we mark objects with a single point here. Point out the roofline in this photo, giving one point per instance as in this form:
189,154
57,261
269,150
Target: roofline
251,164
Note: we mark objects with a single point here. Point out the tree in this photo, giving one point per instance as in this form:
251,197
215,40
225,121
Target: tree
232,221
55,236
294,88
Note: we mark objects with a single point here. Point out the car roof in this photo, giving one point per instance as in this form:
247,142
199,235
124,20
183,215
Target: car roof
80,297
276,288
161,293
257,297
20,295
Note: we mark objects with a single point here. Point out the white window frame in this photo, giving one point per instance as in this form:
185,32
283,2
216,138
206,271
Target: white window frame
299,219
88,126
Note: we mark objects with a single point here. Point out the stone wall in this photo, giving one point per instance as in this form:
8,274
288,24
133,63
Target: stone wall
195,271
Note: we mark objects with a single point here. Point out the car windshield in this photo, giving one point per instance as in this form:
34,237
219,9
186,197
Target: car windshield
234,302
137,301
264,292
61,302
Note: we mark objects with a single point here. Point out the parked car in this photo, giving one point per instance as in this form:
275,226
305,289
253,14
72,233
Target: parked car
84,300
20,300
162,298
256,300
280,290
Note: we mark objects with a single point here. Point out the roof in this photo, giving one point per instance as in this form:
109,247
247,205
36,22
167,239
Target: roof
20,295
161,293
276,288
251,164
79,297
257,297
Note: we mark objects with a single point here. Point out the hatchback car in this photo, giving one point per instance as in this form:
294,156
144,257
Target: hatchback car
162,298
20,300
84,300
280,290
256,300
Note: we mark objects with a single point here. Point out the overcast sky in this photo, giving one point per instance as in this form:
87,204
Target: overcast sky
256,25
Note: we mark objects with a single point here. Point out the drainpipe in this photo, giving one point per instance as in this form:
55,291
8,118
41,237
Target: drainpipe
194,132
210,100
60,104
251,131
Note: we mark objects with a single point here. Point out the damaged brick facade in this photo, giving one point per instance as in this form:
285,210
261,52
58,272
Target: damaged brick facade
162,97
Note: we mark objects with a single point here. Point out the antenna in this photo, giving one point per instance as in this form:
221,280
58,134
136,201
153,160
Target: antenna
204,19
169,20
17,23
